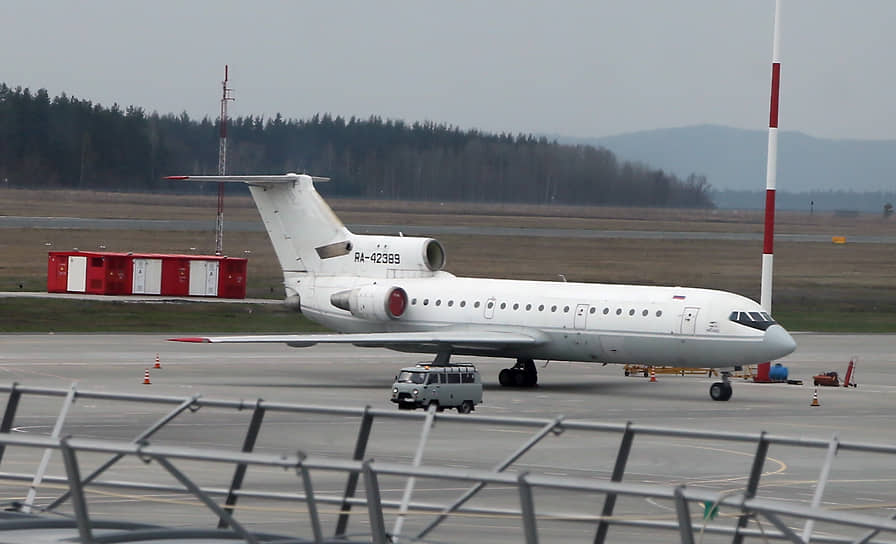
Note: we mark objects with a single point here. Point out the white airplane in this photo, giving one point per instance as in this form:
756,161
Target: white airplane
391,291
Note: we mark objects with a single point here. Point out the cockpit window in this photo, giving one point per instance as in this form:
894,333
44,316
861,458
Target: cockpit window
755,320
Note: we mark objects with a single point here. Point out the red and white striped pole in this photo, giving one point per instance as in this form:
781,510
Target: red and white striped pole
771,169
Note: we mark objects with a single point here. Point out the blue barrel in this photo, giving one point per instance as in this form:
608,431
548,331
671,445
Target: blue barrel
777,373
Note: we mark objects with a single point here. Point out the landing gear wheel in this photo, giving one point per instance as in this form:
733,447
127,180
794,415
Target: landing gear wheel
522,374
505,377
465,407
720,391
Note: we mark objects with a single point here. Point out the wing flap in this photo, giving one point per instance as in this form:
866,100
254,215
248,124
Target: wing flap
385,339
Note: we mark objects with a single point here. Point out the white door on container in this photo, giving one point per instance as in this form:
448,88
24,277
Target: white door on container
138,286
147,277
211,279
77,274
153,284
197,278
203,278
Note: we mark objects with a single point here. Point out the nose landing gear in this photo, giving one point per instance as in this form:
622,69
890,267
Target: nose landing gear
522,374
721,390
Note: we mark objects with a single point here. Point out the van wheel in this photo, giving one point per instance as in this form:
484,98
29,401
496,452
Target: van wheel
465,407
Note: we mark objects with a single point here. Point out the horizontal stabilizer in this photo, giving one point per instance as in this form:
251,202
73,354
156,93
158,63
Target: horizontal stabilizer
285,178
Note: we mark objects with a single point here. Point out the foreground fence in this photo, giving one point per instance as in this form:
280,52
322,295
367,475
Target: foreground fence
757,516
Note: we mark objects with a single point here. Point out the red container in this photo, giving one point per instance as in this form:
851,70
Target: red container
106,273
57,272
175,276
232,278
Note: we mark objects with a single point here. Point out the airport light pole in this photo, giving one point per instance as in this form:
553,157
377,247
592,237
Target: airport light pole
222,165
771,167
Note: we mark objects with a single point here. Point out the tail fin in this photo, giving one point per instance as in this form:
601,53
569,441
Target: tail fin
299,223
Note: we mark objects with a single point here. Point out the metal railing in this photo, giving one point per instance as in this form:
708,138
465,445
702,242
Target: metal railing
688,503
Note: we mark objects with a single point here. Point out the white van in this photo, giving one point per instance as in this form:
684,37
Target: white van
447,386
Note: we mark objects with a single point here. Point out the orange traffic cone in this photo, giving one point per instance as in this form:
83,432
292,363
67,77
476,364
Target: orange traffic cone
815,398
158,363
146,378
652,375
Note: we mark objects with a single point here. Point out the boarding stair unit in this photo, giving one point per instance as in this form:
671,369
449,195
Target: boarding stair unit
371,491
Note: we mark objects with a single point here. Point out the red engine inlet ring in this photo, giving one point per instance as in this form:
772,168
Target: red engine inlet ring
397,302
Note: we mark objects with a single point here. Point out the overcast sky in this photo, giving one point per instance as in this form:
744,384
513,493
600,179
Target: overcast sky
573,68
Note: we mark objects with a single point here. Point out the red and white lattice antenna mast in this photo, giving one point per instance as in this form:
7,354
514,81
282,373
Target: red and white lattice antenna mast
222,165
771,168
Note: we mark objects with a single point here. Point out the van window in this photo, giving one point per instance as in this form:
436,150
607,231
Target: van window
433,378
453,377
467,377
411,377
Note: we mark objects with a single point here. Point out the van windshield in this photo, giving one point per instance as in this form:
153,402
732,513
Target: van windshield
407,376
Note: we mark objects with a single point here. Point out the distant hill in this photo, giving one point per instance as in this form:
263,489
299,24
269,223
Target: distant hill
735,159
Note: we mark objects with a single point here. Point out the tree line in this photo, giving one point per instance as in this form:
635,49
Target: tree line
66,142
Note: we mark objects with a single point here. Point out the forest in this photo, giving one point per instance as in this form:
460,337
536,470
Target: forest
72,143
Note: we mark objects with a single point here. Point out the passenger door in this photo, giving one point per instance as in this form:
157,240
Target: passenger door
689,320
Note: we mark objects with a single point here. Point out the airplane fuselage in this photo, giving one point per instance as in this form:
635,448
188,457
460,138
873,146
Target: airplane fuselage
602,323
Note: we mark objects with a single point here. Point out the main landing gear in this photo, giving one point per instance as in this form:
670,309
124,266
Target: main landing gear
721,390
522,374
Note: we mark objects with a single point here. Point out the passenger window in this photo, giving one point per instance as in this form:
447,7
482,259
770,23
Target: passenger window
566,309
553,308
463,304
426,302
453,377
659,313
467,378
516,306
503,305
644,313
439,302
618,311
476,304
541,307
606,311
631,312
450,303
490,305
413,301
592,310
528,307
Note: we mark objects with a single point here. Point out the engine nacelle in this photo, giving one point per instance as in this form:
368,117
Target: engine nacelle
377,302
293,302
377,256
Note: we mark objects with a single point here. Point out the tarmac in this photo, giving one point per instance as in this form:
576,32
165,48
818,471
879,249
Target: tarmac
334,375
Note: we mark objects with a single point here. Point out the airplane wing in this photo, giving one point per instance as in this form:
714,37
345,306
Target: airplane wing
454,338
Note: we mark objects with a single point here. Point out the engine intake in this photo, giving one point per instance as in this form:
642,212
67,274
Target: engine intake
377,302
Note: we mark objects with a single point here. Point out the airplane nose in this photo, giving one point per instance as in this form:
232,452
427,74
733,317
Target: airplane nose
778,342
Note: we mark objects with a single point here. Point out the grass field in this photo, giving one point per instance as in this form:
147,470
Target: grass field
818,286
